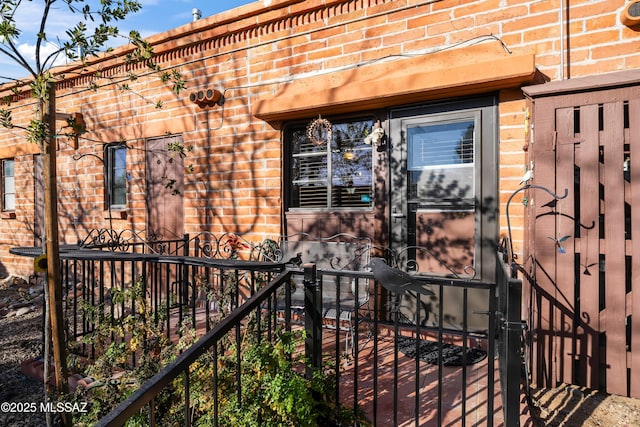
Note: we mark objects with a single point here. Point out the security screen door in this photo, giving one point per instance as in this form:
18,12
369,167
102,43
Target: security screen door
443,209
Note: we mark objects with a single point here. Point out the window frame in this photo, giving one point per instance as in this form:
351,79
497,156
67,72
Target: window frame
448,170
332,181
4,185
110,167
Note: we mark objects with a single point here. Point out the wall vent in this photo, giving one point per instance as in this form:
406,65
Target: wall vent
630,15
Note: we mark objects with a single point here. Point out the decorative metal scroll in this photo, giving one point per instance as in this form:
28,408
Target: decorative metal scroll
403,262
338,252
266,250
114,240
224,246
527,186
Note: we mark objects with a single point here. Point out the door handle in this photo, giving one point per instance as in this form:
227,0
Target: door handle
397,215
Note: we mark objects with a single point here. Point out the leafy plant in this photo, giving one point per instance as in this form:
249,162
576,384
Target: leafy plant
131,347
274,389
277,388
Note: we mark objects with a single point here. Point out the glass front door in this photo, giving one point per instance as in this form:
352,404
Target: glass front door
443,205
443,188
441,185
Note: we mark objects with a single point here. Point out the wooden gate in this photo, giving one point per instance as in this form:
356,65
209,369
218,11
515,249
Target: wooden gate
584,295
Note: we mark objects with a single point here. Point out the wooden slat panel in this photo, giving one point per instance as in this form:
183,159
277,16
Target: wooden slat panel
588,98
613,139
565,272
634,141
588,331
552,292
544,252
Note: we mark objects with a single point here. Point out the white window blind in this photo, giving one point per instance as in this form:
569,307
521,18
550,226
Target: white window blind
441,160
336,174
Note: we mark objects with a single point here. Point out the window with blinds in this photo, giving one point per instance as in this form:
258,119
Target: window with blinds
441,160
336,174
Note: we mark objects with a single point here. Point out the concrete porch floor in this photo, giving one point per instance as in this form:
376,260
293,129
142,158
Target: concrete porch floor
459,405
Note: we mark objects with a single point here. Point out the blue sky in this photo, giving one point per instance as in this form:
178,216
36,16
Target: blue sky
155,17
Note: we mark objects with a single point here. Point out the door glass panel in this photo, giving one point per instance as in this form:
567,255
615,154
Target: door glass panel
441,171
445,241
440,160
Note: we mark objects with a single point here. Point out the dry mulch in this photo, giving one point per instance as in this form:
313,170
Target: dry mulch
20,339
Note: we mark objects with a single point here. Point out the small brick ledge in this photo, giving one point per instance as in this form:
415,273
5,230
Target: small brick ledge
34,368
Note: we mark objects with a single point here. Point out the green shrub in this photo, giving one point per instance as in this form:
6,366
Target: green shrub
278,387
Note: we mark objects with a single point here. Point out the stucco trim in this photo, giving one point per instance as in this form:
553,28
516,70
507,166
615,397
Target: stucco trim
462,71
20,149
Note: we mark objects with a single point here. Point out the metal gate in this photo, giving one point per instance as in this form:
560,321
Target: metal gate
510,333
579,251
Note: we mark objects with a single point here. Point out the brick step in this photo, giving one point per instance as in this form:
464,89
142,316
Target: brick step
34,368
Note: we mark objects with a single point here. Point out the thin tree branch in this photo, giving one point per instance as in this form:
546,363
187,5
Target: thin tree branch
41,33
15,54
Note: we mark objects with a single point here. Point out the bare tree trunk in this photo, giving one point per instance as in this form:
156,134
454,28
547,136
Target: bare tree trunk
52,244
47,352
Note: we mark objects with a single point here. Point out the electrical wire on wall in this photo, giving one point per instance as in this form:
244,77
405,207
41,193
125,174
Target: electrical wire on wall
469,42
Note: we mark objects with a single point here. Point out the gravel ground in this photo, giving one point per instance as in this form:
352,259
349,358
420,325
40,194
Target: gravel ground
21,339
573,406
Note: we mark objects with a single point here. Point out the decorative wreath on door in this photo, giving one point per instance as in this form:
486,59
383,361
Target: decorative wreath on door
319,131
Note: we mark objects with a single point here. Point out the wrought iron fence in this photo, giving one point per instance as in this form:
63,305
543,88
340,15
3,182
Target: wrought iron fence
386,378
400,368
512,330
228,327
179,290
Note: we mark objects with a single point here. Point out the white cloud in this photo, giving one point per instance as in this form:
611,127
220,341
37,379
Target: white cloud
29,15
28,51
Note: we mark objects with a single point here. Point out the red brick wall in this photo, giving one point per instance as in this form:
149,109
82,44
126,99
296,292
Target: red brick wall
247,53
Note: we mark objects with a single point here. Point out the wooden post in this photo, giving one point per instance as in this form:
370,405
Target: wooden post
52,244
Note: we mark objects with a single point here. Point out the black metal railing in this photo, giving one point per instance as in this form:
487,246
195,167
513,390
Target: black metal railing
180,367
179,290
511,343
378,374
132,241
378,377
